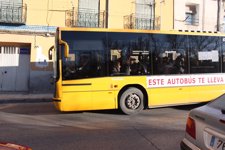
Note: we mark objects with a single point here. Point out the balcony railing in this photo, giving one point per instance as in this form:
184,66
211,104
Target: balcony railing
134,21
85,18
15,13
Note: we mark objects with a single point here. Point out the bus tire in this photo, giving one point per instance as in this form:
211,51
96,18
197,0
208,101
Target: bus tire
131,101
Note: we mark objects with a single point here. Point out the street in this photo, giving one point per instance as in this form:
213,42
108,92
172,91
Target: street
41,127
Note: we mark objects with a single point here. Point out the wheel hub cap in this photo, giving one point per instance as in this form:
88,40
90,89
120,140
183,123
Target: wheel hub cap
133,101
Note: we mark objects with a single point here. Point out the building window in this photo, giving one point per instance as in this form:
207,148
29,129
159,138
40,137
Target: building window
88,18
191,15
88,13
144,14
190,19
13,12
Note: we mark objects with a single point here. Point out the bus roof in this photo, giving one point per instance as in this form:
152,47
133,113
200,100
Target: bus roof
183,32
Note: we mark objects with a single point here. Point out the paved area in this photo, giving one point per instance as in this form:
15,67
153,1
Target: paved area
25,97
42,127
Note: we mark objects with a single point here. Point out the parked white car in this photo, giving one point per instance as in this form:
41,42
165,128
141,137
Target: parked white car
205,127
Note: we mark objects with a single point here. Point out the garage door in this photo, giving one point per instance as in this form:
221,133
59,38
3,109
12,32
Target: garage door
14,68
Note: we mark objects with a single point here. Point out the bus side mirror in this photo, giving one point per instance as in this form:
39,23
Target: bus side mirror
50,52
66,48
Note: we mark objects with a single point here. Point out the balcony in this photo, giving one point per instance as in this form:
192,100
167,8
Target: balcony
13,13
85,18
135,21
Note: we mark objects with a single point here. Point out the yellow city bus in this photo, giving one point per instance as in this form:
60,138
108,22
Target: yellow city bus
131,70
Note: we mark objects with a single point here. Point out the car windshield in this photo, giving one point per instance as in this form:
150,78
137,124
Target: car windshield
218,103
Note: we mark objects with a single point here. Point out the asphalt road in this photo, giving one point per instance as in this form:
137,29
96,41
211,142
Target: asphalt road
42,127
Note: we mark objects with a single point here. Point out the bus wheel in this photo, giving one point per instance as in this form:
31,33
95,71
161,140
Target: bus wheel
131,101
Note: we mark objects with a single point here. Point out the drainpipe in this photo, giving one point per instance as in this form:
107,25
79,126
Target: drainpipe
161,2
173,15
218,15
203,16
153,15
107,13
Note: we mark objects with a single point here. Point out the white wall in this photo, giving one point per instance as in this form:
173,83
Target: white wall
210,18
207,14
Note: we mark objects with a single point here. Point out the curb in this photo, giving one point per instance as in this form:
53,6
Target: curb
25,98
8,101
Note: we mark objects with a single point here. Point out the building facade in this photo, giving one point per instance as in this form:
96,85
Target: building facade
28,27
200,15
191,15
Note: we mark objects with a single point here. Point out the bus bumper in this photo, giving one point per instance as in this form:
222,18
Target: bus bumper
57,102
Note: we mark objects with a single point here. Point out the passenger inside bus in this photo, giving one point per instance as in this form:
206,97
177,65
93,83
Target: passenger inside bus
128,67
179,65
69,70
125,68
116,67
84,68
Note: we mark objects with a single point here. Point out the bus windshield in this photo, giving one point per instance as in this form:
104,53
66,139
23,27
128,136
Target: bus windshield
86,56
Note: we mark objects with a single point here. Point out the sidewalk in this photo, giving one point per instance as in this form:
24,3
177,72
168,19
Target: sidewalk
25,97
